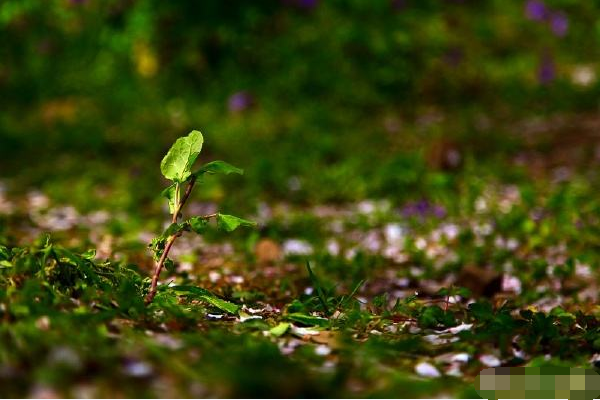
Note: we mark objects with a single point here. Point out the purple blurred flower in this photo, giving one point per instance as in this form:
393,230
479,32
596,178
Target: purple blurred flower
423,209
307,4
536,10
546,70
439,211
559,23
239,101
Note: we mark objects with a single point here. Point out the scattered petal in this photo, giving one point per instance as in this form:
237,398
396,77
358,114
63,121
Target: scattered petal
427,370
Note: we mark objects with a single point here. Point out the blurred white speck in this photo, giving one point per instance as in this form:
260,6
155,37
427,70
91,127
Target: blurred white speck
137,368
480,205
43,323
393,233
461,358
519,354
451,231
413,329
65,356
322,350
303,331
511,284
583,75
489,360
440,339
454,370
168,341
244,318
98,217
185,266
297,247
333,247
512,244
421,243
350,254
427,370
214,276
308,291
288,347
483,229
237,279
371,206
460,328
372,242
57,219
366,207
37,200
583,270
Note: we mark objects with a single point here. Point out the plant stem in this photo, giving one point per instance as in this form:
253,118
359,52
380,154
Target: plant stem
159,267
188,191
161,262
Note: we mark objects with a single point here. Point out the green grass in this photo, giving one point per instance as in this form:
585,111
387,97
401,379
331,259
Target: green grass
357,322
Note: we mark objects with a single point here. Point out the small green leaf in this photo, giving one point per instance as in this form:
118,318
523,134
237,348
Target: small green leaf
89,255
309,320
463,292
280,329
169,265
219,167
4,252
157,245
173,229
170,193
177,164
197,224
483,311
230,223
205,295
434,316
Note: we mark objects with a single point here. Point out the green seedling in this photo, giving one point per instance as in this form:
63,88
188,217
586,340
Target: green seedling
177,166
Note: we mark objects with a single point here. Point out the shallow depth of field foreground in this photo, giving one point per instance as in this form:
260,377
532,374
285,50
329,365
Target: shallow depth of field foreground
296,198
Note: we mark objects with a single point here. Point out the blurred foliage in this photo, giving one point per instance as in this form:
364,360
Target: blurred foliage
289,89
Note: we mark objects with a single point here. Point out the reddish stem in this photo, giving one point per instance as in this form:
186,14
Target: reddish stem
161,262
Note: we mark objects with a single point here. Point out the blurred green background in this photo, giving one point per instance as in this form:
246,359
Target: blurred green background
319,101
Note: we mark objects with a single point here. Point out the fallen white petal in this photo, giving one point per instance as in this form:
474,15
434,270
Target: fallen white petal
427,370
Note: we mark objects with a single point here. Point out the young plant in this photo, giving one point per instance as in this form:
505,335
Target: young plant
176,166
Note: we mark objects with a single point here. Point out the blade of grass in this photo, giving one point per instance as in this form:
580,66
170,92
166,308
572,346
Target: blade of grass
317,286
